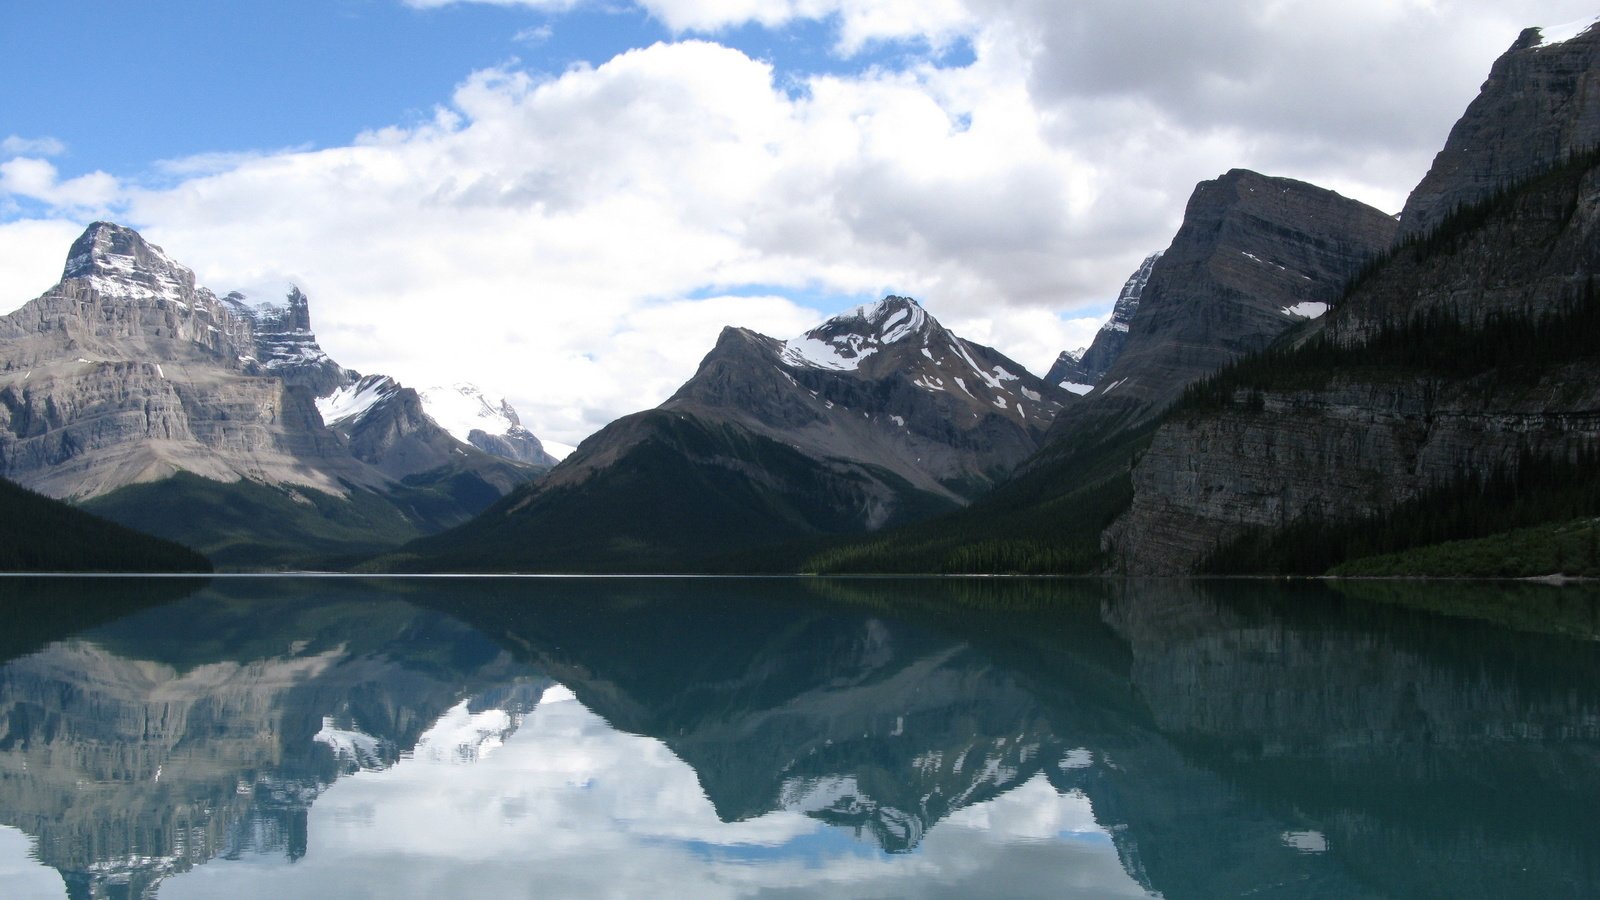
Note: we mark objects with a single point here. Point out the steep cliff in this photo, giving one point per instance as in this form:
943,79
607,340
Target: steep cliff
127,375
1254,257
1459,359
1540,103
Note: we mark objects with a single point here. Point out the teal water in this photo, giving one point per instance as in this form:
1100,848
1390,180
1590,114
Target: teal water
276,737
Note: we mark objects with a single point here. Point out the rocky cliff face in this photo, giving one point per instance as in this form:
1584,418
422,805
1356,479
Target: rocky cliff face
1255,256
127,373
1354,446
1540,103
1344,444
284,345
884,385
1079,371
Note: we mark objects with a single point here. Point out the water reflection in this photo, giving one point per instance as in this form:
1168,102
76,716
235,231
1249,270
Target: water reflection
854,738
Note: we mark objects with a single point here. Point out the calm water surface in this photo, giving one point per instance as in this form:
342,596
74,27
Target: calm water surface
275,738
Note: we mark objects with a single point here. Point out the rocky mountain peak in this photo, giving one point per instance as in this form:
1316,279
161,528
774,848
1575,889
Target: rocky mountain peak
1128,300
486,421
1080,370
118,262
845,341
1540,103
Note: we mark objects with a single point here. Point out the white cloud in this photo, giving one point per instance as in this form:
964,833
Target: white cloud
536,35
37,179
21,146
32,253
543,234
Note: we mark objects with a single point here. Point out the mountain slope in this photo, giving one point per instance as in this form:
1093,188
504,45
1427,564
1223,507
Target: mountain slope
1540,104
1455,413
1452,394
876,417
1079,372
1254,258
38,534
127,373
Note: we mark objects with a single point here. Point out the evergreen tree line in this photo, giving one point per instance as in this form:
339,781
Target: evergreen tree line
1437,342
1533,490
1464,220
38,534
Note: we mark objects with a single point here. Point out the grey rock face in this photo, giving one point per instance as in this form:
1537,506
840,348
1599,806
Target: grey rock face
1368,440
1080,371
885,386
284,345
1356,447
1540,103
518,443
128,372
1255,256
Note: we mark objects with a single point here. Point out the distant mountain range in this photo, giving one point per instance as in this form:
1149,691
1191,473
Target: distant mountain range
129,389
875,417
1298,380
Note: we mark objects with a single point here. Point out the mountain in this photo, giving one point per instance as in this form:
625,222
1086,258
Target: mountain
1540,104
1081,370
128,386
877,416
1450,395
485,421
1255,257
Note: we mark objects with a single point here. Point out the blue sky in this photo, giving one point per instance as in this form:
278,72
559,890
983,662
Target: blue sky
564,201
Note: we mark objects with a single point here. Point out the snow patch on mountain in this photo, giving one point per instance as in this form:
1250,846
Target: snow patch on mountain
844,341
1306,310
353,401
463,408
558,450
809,352
1560,34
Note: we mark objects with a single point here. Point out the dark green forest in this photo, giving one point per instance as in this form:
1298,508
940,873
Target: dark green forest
38,534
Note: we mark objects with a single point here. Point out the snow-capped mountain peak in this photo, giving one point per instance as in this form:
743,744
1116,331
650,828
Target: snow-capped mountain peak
843,342
351,402
118,262
463,408
486,421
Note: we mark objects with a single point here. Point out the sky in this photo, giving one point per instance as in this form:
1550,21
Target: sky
564,201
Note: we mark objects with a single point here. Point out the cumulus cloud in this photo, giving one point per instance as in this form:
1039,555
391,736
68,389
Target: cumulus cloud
32,253
38,179
545,236
574,240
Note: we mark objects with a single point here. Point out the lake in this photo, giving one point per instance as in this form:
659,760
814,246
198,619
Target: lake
550,737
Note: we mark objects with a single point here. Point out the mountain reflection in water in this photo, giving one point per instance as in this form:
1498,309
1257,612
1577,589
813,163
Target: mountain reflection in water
553,737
